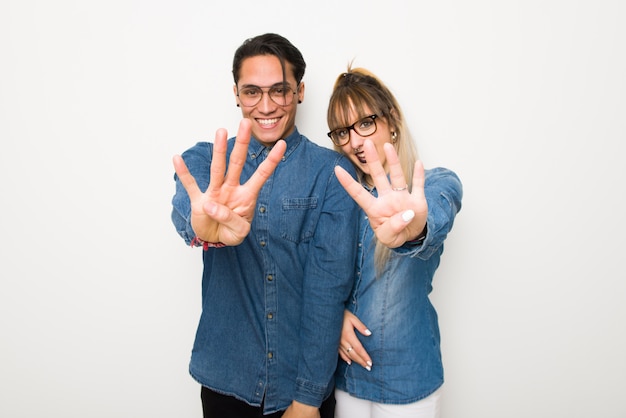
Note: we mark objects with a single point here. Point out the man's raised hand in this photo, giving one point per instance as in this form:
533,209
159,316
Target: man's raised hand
224,212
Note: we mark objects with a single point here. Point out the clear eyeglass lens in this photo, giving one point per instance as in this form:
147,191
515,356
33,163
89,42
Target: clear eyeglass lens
281,95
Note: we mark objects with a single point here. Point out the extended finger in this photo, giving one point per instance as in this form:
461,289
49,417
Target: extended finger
361,196
396,175
185,177
218,161
239,154
267,167
417,188
377,171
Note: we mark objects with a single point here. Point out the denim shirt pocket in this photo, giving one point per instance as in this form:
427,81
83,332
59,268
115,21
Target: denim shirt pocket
297,221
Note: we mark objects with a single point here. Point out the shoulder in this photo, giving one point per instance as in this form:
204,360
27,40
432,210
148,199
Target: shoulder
443,180
328,156
440,175
200,148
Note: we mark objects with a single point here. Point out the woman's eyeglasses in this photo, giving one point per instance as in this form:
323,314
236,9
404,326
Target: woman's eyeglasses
363,127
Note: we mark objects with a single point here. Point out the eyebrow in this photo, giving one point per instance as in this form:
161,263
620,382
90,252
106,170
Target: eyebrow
279,84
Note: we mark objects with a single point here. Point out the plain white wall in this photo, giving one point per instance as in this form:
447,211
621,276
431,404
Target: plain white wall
525,100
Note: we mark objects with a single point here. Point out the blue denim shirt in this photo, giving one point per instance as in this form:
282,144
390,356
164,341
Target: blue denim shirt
272,307
404,345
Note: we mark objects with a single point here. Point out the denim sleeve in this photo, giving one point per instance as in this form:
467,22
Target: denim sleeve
329,274
444,193
198,160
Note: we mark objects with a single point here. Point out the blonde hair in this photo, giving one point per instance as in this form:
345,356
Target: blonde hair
358,89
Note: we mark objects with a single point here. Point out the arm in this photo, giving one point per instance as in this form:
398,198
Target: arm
350,348
329,273
399,217
444,193
223,213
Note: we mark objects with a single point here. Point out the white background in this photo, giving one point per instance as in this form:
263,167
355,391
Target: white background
525,100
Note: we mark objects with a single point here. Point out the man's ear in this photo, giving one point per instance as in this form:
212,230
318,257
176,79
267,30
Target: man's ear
301,92
236,96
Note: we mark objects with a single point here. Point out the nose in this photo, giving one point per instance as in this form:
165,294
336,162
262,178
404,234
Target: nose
266,105
356,140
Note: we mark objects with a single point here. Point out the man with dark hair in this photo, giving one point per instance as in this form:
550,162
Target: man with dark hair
278,236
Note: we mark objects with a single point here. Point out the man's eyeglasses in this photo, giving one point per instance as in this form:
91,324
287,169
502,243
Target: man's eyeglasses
363,127
281,94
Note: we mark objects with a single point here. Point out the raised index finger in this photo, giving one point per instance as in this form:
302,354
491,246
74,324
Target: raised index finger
266,168
361,196
185,177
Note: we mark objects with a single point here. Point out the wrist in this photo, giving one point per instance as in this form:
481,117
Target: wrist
303,410
420,238
197,242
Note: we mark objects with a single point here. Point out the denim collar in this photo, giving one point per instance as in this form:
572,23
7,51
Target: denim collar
255,149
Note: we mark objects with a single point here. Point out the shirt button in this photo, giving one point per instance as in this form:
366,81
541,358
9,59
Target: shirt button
270,355
262,209
270,278
262,243
270,315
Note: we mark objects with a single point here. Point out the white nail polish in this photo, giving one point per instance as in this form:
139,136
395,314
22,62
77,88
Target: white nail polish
367,332
408,215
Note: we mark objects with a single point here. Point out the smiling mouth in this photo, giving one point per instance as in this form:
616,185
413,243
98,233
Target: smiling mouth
268,122
361,157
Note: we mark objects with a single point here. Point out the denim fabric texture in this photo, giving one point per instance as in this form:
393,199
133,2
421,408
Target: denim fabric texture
405,342
272,307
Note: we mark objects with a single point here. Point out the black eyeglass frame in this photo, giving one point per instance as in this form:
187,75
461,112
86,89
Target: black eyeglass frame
353,127
267,90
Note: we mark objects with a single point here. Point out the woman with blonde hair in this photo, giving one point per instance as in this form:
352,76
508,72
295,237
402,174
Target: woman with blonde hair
390,343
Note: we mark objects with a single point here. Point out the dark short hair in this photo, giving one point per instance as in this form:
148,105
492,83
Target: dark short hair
270,44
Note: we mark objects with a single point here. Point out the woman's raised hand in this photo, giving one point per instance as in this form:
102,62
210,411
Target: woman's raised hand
398,214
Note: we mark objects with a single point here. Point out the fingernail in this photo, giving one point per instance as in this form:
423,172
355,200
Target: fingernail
367,332
369,363
408,215
368,368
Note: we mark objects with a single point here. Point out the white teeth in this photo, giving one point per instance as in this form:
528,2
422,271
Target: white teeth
267,121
